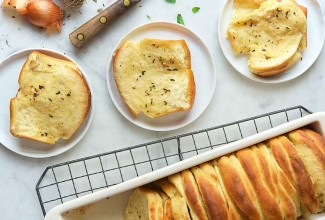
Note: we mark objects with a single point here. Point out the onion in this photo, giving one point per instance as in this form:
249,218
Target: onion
41,13
45,14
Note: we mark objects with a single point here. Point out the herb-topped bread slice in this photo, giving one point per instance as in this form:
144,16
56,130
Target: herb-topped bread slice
154,76
52,101
272,33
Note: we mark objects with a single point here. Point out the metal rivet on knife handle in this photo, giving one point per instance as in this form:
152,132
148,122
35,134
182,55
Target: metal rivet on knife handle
84,33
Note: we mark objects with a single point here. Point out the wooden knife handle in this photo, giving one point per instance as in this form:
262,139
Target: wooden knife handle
81,35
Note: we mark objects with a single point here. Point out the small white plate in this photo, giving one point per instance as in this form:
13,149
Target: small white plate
9,72
315,31
203,67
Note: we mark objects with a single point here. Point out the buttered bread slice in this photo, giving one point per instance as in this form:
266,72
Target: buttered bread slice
52,101
154,76
271,32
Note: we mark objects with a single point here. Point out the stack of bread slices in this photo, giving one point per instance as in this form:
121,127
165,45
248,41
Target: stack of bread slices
282,178
272,33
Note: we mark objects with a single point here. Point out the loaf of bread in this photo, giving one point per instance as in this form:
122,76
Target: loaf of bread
52,101
154,77
271,33
281,178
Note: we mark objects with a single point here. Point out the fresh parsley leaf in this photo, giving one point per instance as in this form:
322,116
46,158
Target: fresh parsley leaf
148,16
180,19
171,1
195,9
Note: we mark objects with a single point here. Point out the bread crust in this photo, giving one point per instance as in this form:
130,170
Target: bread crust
186,186
153,205
314,161
233,211
178,204
73,68
254,172
212,197
239,187
191,90
287,157
317,139
284,193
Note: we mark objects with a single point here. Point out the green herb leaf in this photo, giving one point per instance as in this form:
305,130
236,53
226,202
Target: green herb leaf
180,19
148,16
195,9
171,1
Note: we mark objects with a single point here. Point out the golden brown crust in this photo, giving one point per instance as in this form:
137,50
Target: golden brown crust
187,53
254,172
239,187
290,162
314,161
317,139
168,215
193,196
115,57
214,203
303,138
233,211
191,88
285,194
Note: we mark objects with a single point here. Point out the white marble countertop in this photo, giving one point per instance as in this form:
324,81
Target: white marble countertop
236,97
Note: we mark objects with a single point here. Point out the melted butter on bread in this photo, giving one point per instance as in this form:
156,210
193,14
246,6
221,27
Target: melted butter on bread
272,35
154,76
52,101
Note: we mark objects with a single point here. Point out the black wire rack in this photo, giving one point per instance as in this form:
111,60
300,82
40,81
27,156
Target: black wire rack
66,181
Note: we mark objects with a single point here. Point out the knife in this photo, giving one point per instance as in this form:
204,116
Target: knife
85,32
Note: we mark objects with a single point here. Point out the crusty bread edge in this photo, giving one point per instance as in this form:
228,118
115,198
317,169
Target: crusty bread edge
85,112
280,68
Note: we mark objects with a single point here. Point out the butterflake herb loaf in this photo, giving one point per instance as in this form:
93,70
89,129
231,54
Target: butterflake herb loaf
281,178
272,33
52,101
154,76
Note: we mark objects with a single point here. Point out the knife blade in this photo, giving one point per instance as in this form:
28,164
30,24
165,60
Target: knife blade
87,31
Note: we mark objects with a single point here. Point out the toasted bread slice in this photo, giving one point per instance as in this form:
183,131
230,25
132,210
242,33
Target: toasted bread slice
52,102
154,76
272,33
144,204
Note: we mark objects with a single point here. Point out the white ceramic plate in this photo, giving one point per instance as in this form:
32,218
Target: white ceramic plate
315,31
9,72
202,65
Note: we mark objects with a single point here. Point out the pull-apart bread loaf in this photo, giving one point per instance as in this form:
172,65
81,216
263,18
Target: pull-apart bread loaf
52,101
281,178
272,33
154,76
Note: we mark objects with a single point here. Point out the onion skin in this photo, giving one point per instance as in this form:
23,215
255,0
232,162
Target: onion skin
45,14
41,13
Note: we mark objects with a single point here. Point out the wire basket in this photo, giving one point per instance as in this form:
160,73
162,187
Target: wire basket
66,181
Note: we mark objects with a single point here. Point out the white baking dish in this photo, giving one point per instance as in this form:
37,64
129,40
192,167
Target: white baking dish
110,203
